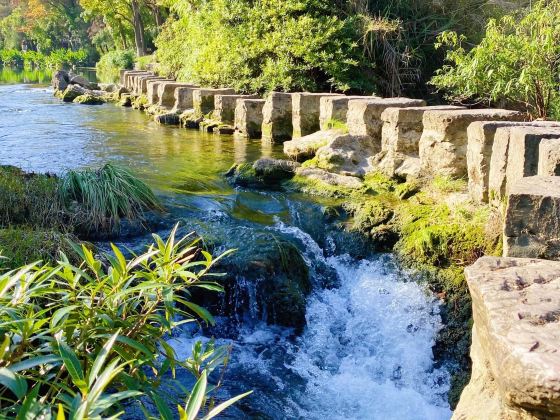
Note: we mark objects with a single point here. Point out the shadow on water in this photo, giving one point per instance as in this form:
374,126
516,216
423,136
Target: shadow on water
366,350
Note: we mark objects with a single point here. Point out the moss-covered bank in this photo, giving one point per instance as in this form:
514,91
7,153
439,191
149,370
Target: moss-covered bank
433,228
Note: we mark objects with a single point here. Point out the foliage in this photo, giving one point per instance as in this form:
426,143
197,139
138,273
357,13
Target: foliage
515,65
57,59
101,198
110,64
81,340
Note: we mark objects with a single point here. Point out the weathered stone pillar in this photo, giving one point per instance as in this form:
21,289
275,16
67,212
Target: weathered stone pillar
481,135
306,111
133,80
127,77
249,117
443,145
400,136
532,224
184,98
224,107
204,99
334,109
515,340
143,83
166,93
277,117
549,157
523,156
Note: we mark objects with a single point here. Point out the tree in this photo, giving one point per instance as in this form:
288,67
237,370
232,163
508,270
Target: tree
517,63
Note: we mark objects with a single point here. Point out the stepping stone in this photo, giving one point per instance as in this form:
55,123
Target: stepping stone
249,117
400,137
306,110
224,107
204,99
532,225
277,125
334,109
481,135
166,93
184,98
443,145
549,157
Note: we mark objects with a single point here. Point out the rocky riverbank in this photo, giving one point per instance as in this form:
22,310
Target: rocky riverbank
442,186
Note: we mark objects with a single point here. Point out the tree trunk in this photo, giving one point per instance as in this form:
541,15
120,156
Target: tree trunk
138,29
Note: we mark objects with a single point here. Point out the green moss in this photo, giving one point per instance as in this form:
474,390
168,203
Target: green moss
407,189
334,124
140,102
317,187
446,184
88,99
368,214
379,182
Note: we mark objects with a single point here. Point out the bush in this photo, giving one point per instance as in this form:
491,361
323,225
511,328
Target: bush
110,64
515,65
81,340
57,59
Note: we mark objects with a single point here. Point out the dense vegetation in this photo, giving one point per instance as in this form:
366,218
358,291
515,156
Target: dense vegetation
80,341
516,65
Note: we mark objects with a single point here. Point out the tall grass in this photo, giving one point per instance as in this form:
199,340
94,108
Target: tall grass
79,341
105,196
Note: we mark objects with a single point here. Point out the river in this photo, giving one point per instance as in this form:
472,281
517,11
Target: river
366,349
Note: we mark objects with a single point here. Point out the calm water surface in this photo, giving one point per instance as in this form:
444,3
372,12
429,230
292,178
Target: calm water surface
366,351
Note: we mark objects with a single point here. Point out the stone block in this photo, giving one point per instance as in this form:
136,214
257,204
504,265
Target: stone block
152,89
277,124
304,148
364,115
443,145
400,136
306,110
143,83
134,78
204,99
184,98
523,156
532,222
481,142
549,157
127,77
335,109
515,355
224,107
166,93
249,117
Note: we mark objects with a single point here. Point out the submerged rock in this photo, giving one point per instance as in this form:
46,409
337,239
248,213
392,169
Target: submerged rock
264,172
88,99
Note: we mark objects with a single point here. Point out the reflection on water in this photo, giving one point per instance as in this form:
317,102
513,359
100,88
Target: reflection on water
11,75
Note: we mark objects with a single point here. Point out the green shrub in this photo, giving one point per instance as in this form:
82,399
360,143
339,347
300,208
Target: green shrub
515,65
110,64
56,59
80,340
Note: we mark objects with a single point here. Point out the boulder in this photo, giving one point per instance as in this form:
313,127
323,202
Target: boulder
72,92
60,80
334,109
204,99
265,172
549,157
515,355
277,124
532,225
400,136
249,117
346,154
183,99
125,100
188,119
108,87
481,135
83,82
169,118
443,145
306,110
364,115
523,156
304,148
166,93
224,107
336,180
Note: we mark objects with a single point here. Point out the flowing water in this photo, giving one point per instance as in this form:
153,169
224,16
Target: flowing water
366,350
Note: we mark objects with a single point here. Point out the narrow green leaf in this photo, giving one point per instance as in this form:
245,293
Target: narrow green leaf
217,410
14,382
197,397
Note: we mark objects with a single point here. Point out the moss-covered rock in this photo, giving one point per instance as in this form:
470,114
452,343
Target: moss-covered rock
262,173
88,99
140,102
